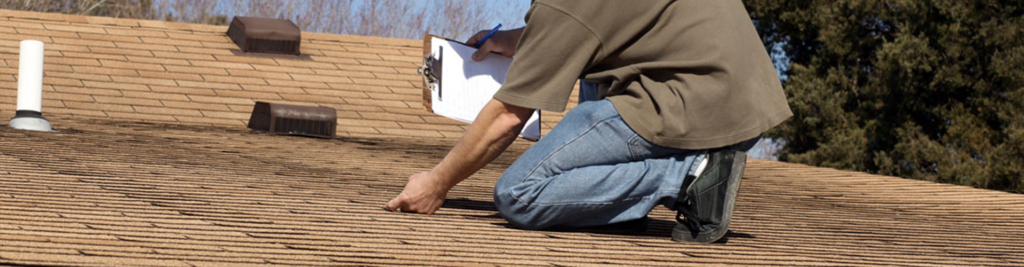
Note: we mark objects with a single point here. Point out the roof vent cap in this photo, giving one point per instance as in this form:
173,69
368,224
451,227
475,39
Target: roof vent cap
262,35
294,120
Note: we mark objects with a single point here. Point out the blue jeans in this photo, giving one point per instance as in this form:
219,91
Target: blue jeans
591,170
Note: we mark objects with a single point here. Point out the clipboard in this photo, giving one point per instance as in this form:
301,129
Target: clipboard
431,71
460,92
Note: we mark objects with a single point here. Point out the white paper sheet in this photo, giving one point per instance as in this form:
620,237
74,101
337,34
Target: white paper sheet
467,85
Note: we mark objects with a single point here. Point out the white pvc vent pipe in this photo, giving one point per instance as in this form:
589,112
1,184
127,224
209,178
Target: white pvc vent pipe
30,88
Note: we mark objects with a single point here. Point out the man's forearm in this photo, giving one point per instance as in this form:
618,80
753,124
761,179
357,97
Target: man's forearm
494,129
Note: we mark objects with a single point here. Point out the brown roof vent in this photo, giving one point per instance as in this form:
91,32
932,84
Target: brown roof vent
294,120
261,35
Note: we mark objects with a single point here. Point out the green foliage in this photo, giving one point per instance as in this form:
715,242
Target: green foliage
924,89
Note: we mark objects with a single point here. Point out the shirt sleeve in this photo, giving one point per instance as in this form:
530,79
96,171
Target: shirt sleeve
552,54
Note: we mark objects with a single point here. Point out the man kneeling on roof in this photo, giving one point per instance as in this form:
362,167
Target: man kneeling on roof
672,95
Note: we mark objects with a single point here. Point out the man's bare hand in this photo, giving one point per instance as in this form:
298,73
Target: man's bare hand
423,194
502,42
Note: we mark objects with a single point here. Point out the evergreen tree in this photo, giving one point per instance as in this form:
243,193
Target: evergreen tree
924,89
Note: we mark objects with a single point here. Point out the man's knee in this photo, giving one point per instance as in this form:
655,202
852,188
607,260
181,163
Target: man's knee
515,211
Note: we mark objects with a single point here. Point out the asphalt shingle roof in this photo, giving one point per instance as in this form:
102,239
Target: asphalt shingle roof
155,167
187,73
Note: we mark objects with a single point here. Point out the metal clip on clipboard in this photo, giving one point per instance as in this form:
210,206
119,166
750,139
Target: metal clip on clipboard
431,71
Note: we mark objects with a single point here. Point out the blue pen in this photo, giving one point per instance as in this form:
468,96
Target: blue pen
478,43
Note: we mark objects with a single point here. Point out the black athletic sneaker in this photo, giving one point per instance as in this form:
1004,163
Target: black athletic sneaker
706,201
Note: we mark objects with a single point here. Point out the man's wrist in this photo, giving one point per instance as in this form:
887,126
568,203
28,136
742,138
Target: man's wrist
441,179
518,34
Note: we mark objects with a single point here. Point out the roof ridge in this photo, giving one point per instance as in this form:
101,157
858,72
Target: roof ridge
195,27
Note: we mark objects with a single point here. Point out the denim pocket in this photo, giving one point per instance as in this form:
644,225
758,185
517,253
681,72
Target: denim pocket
639,149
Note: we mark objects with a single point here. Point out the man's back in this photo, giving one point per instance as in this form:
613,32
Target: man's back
684,74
